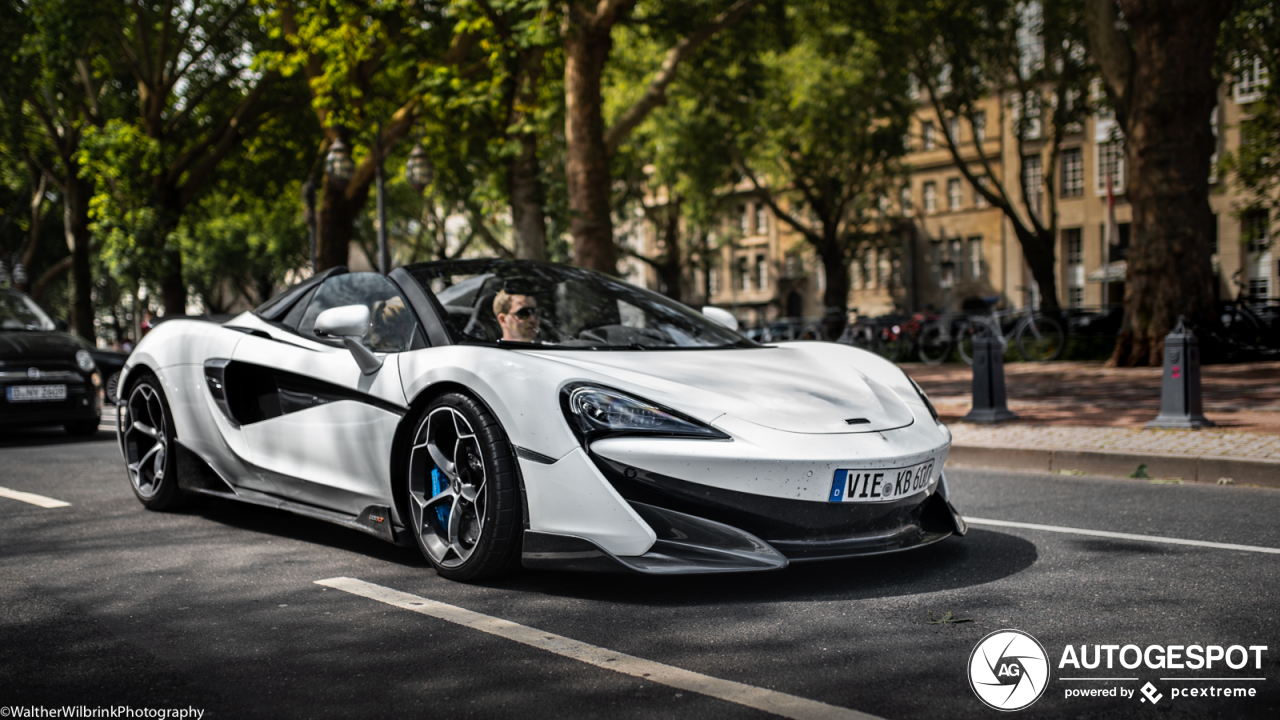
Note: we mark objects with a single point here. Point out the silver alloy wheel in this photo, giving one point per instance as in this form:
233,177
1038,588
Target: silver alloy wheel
143,425
447,487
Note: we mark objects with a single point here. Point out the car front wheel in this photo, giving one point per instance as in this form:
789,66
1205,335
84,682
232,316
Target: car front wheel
146,429
463,490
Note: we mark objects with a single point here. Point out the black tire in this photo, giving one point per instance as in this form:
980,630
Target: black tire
151,460
460,456
111,389
84,428
1042,339
935,344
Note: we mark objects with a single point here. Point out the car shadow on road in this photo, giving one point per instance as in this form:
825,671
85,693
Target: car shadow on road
41,437
980,557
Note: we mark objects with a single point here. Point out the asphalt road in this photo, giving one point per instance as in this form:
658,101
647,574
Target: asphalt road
105,604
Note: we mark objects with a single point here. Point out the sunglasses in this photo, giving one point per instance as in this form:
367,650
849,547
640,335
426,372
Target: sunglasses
525,313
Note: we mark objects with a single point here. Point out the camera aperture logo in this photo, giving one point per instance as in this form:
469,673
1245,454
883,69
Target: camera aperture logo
1008,670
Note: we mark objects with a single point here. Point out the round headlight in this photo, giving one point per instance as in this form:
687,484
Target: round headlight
84,361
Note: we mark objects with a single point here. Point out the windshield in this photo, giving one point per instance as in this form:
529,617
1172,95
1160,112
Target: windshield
522,303
19,312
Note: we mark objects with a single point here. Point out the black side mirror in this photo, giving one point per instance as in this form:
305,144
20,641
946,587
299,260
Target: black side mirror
62,326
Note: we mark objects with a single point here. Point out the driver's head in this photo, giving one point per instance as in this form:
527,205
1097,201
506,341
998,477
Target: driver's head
518,316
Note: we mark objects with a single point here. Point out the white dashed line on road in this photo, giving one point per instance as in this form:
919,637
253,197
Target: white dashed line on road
42,501
769,701
1122,536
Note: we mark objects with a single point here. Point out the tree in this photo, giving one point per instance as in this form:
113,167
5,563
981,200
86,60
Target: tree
825,141
1156,60
369,66
1035,53
587,34
58,92
197,100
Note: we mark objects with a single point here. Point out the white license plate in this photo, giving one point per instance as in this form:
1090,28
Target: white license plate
880,484
36,393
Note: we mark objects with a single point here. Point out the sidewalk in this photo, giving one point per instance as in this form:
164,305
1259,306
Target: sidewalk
1083,418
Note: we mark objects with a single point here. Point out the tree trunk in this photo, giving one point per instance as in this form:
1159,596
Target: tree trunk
335,223
587,164
75,213
528,221
835,298
1164,90
1039,252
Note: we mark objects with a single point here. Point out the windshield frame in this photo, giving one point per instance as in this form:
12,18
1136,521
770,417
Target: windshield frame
424,273
46,323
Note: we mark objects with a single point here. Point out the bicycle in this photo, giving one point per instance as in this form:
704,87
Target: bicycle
1038,337
1244,331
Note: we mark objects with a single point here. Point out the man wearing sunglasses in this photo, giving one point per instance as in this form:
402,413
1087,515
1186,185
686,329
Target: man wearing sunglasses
518,316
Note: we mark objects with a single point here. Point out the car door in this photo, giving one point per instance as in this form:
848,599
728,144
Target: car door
317,425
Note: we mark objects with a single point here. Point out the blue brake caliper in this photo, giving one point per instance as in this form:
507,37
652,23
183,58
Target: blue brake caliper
437,486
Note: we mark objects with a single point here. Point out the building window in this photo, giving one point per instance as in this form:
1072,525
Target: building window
953,194
869,268
953,129
744,219
1027,108
762,272
1255,232
1072,172
1110,164
762,219
713,281
1033,182
975,257
904,198
744,275
979,127
927,140
931,197
1251,77
955,253
1073,254
980,200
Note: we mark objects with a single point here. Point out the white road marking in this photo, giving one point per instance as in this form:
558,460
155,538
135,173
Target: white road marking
42,501
770,701
1122,536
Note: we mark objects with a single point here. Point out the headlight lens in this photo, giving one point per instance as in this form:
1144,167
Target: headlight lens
594,411
84,361
924,398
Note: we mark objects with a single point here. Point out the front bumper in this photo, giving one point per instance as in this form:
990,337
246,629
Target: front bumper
748,510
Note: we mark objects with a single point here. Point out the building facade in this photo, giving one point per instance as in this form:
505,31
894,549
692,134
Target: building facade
952,248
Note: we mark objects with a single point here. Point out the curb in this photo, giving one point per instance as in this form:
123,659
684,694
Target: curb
1191,468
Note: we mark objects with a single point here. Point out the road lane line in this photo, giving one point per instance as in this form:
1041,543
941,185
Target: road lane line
770,701
1121,536
42,501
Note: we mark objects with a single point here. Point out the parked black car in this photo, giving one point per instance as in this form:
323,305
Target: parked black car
47,377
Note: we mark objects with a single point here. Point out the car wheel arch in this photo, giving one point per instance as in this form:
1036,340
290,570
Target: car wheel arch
404,437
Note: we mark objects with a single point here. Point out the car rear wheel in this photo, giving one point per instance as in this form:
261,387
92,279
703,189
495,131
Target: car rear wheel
146,429
463,490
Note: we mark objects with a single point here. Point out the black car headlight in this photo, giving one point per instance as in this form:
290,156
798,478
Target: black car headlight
923,398
595,411
84,361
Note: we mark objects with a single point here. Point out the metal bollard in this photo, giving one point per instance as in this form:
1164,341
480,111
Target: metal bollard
1180,403
989,402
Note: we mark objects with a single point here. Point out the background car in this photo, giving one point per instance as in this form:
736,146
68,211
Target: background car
48,377
497,413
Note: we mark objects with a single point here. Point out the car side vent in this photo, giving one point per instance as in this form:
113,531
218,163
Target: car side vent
857,421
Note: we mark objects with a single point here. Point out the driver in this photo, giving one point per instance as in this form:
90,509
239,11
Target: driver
518,316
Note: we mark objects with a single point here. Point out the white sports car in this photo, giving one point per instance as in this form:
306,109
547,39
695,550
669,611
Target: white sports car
503,412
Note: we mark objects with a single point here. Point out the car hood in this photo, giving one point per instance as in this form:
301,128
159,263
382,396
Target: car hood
36,345
784,388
